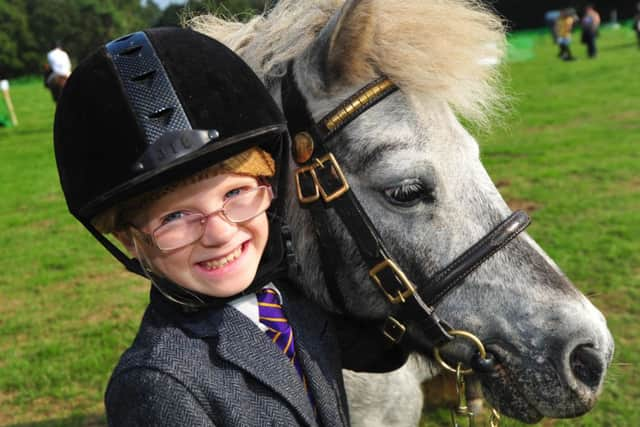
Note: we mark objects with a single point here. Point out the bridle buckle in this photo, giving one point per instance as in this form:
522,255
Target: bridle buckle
393,330
401,295
305,199
319,189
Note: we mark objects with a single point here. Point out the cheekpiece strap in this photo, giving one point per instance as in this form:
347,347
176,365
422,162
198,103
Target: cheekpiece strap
320,178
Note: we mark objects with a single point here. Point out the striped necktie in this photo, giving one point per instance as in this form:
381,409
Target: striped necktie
278,329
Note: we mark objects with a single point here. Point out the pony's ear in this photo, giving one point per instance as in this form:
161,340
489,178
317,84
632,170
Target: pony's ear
340,53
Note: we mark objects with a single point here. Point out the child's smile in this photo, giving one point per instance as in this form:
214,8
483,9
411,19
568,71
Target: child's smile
231,265
218,263
225,259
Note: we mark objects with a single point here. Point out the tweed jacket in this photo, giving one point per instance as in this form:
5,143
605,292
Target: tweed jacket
216,368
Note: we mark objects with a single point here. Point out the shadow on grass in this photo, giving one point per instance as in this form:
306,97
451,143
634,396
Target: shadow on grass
620,46
72,421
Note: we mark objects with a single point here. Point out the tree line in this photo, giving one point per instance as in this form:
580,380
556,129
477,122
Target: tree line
30,28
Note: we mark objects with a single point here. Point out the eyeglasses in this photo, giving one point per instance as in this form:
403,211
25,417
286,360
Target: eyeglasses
190,227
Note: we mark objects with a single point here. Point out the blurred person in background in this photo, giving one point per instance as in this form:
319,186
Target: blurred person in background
57,70
564,26
590,23
550,18
636,24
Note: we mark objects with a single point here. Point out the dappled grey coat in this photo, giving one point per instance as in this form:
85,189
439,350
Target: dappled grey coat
215,367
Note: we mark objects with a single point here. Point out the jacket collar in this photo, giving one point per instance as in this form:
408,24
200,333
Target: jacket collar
242,343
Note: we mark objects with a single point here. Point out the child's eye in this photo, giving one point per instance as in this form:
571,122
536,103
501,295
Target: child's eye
235,192
173,216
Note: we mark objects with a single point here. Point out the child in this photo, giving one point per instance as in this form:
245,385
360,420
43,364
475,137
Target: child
564,27
167,140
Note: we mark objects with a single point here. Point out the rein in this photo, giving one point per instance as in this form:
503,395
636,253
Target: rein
321,185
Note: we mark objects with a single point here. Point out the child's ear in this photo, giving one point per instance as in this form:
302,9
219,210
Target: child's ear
126,239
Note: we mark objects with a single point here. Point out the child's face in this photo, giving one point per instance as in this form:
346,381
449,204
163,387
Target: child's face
224,261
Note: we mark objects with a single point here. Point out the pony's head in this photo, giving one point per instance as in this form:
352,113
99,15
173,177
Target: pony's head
417,173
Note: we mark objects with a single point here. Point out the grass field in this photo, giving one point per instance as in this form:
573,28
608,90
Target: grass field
569,152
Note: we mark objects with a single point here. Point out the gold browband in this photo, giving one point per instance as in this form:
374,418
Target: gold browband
353,107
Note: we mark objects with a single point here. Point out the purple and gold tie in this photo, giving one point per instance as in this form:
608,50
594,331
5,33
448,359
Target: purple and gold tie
278,329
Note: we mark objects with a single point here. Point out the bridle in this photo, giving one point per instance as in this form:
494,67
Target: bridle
321,185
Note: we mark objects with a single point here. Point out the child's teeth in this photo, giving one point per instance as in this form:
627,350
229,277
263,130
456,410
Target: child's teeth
217,263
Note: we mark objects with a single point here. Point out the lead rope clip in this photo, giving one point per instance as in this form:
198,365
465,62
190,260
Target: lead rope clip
494,420
461,409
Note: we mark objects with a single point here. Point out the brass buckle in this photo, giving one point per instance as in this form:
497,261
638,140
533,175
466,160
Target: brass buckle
320,191
301,197
393,330
401,296
338,192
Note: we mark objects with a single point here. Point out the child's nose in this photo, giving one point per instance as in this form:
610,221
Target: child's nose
217,230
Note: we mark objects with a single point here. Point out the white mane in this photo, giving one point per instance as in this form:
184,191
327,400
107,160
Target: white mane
437,49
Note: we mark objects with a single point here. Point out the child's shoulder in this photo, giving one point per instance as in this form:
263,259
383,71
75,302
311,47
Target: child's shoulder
155,378
162,344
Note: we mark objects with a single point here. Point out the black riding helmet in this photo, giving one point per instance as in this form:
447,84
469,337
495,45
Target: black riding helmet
153,107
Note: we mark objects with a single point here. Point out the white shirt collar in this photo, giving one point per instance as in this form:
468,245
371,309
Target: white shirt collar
248,305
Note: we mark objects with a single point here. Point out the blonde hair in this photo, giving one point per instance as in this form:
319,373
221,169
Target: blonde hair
443,50
252,162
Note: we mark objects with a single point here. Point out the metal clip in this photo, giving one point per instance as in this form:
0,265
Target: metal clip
494,419
461,409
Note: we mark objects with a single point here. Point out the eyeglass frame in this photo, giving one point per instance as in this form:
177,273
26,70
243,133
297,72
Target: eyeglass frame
149,238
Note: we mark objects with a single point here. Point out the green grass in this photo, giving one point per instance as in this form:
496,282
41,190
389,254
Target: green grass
66,310
569,149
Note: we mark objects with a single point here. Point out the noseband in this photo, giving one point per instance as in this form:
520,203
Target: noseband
321,185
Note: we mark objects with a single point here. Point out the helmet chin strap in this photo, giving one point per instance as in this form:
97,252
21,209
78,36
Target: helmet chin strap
146,267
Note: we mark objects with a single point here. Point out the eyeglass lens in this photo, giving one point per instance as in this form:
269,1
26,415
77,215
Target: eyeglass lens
189,228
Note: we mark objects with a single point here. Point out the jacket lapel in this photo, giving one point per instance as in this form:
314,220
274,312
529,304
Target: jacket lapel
241,342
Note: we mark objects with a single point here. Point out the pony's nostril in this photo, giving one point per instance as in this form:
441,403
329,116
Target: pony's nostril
587,365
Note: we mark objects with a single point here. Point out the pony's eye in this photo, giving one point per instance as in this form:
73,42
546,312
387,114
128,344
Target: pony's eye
408,193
